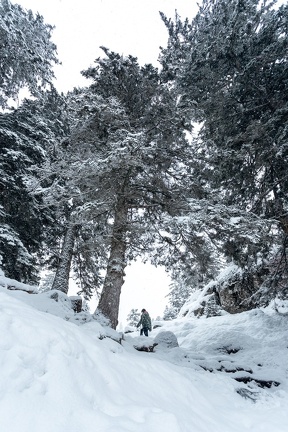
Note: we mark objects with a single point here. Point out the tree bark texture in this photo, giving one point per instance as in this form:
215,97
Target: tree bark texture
61,280
110,298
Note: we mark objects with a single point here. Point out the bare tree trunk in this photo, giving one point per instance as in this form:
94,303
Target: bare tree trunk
110,298
61,280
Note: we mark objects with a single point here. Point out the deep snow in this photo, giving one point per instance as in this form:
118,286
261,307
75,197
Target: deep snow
59,373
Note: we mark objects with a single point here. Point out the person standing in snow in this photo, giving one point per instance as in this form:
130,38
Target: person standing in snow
145,322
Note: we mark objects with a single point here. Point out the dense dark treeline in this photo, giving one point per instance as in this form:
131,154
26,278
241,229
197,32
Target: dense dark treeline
95,178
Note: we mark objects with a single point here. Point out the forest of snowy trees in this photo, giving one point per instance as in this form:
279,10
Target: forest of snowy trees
184,166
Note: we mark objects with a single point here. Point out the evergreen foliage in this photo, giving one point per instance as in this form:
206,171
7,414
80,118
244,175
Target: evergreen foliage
229,65
169,313
107,173
27,54
233,70
124,152
24,222
133,317
178,294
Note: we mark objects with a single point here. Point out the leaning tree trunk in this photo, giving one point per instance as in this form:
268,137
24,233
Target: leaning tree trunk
61,280
108,306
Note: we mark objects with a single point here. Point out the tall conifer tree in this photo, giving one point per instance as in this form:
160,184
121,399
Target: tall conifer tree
229,65
128,149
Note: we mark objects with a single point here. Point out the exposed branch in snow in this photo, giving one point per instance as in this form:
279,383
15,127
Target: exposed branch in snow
14,285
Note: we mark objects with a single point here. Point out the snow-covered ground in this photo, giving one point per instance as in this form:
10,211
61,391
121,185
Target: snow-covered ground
59,373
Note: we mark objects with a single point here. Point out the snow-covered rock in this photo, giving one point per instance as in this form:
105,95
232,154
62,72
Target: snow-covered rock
166,339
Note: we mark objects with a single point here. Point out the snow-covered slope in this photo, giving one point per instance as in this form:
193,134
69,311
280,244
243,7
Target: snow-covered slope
58,373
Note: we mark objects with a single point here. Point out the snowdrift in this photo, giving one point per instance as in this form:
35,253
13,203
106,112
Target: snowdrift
63,372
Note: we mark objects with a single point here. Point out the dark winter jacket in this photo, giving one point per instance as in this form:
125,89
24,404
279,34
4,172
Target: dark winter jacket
145,321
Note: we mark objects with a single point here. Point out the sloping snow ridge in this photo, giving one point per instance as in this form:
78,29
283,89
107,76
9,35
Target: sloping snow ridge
63,372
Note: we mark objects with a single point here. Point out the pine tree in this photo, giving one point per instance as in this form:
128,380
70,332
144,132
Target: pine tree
46,282
27,54
120,162
153,148
133,317
229,65
25,224
178,294
169,313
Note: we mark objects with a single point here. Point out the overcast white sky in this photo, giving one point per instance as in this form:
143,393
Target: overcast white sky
128,27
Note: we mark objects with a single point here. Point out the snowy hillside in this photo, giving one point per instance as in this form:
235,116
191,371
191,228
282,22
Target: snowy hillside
59,373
